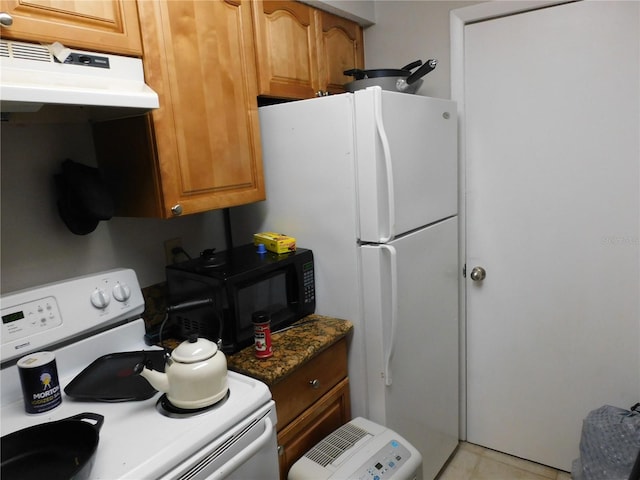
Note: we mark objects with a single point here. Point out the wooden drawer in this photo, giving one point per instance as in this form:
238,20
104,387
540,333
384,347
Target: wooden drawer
297,392
325,416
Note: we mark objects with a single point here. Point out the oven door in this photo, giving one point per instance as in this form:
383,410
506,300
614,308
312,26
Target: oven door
248,450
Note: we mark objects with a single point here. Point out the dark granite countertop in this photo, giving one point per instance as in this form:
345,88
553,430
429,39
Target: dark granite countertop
291,348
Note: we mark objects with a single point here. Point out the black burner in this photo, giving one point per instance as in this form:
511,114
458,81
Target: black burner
166,408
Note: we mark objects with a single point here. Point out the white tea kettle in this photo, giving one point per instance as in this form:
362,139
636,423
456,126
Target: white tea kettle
195,375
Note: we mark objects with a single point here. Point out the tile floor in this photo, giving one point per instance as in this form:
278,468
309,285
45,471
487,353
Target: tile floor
472,462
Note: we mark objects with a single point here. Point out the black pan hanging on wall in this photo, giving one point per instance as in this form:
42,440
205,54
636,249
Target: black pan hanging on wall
83,198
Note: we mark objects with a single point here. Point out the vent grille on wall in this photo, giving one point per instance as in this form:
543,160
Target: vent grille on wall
336,444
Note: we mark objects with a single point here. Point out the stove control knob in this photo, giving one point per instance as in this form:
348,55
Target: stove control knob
99,298
121,292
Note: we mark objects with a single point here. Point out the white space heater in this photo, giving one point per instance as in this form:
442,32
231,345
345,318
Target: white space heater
360,450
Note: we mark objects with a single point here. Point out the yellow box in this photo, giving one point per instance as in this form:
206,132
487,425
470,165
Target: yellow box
275,242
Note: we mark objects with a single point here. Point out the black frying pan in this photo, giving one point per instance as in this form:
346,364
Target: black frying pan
60,450
403,80
405,71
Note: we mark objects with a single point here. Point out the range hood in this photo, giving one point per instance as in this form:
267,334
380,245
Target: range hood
33,75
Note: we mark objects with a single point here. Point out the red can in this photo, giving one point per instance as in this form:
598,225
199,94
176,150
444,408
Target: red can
262,334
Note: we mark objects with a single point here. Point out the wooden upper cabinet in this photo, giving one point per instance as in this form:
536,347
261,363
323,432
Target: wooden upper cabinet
302,51
109,26
340,48
287,59
201,149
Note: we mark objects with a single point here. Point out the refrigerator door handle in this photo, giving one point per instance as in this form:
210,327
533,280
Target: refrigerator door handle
393,264
377,109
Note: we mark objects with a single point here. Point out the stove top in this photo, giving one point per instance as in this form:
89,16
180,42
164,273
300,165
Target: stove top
136,440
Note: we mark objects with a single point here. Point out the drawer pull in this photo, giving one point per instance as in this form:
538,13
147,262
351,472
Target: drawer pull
315,383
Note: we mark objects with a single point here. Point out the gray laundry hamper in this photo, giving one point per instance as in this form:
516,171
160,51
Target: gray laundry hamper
609,445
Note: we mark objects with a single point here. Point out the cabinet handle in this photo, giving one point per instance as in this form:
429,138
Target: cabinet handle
315,383
176,209
6,20
280,450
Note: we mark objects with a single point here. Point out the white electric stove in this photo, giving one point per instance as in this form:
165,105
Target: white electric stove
84,318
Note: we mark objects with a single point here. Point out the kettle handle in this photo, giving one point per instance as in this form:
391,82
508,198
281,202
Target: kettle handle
190,304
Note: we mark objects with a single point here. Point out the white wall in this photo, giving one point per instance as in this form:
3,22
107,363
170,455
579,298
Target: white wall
410,30
37,247
361,11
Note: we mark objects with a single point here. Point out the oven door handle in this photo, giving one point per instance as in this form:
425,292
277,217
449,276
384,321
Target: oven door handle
245,454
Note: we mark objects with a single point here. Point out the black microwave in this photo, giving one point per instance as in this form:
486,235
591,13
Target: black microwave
215,295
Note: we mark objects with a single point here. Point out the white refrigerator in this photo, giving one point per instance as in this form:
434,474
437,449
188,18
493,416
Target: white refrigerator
368,181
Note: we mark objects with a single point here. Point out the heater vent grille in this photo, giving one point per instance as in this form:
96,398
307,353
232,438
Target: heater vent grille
336,444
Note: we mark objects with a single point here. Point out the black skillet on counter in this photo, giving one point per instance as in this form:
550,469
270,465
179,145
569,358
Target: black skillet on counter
60,450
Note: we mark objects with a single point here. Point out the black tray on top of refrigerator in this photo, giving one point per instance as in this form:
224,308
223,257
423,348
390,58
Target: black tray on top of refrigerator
111,378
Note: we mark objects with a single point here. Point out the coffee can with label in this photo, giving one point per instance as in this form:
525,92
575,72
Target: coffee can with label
262,334
39,380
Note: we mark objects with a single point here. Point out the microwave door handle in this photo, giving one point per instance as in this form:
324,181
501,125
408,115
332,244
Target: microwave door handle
386,150
388,353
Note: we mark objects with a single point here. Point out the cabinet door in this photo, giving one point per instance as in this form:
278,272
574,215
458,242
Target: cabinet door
101,25
285,39
340,48
322,418
202,146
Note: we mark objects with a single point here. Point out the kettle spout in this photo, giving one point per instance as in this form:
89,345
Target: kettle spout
158,380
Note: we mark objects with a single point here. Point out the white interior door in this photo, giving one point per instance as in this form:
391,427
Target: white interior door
552,122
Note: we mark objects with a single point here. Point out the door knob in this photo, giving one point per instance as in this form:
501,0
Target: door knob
478,274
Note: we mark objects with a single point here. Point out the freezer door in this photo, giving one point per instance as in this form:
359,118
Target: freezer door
410,289
406,162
